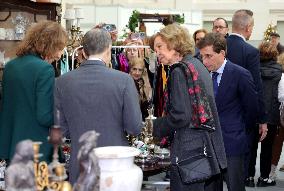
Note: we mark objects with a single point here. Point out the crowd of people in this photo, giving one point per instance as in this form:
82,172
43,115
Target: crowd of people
215,96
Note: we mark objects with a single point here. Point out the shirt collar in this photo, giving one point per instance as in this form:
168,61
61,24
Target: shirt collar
221,69
239,35
94,58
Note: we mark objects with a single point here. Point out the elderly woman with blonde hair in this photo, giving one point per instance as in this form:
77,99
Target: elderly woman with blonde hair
197,149
139,74
133,52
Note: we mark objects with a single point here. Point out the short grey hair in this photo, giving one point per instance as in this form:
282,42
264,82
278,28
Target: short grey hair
241,19
96,41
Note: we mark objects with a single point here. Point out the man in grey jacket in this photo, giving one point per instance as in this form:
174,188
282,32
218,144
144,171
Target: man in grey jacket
94,97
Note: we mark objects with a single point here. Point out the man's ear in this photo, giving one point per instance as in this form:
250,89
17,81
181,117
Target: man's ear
85,54
223,52
248,28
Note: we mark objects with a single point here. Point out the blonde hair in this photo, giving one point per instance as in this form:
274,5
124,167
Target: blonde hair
177,38
44,38
147,87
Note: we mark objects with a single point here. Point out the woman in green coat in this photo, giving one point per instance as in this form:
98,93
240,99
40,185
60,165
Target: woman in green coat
28,81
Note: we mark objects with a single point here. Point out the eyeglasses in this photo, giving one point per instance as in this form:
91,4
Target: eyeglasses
219,27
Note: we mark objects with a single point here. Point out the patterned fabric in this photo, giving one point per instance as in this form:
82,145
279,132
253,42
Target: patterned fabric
201,110
124,67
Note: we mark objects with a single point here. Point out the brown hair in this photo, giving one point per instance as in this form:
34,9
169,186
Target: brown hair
220,18
198,31
216,40
267,51
44,38
177,38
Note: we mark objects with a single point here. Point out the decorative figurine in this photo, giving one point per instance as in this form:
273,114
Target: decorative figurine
20,174
3,165
21,23
89,178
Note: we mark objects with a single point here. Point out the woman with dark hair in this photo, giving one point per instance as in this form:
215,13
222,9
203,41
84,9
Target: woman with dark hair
28,81
270,74
190,115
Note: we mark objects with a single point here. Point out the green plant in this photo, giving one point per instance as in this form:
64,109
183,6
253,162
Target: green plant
179,18
133,20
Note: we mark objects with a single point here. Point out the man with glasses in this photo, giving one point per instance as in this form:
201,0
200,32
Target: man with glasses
220,25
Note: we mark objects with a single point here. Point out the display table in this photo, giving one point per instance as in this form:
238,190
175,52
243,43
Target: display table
161,166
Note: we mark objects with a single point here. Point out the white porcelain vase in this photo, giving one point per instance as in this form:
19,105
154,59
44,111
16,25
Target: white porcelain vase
118,171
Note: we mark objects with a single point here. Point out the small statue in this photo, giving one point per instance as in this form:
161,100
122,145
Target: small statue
3,165
89,178
20,174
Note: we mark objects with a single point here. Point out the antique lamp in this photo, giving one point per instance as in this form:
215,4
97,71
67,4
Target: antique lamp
75,35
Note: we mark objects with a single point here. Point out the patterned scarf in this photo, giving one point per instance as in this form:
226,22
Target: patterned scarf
201,117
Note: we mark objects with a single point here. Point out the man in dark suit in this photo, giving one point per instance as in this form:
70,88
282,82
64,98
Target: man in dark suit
234,95
247,56
94,97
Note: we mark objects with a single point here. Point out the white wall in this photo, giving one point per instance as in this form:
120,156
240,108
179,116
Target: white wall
119,15
265,11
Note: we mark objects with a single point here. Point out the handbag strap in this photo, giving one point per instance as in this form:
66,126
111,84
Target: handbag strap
201,152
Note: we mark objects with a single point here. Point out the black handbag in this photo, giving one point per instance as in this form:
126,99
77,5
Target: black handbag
195,168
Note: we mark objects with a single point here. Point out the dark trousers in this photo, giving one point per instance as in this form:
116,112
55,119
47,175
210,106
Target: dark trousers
252,138
234,174
265,155
215,183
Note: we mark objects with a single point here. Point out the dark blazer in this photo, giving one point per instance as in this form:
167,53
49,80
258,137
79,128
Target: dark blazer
247,56
236,106
178,120
27,105
94,97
